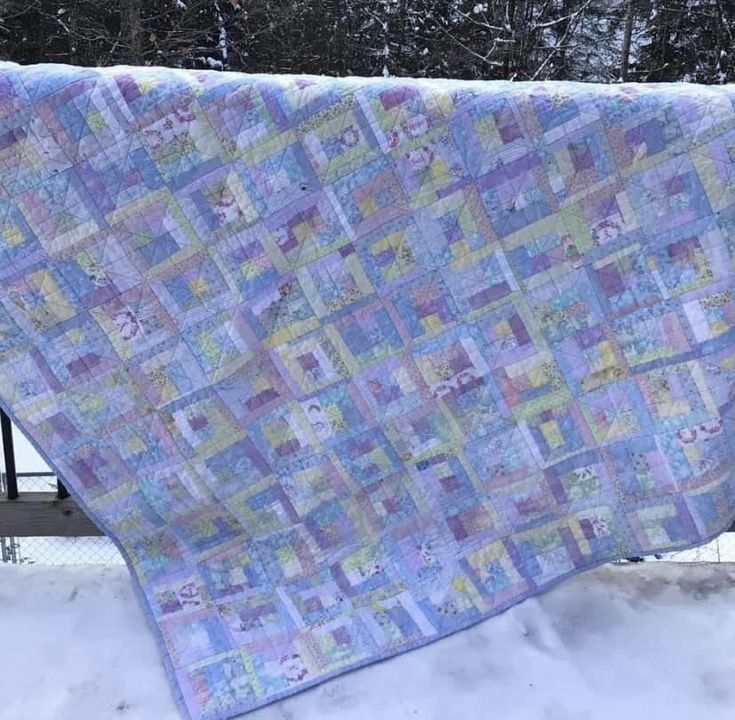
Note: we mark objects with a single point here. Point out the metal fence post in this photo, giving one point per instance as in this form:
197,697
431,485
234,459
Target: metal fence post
11,478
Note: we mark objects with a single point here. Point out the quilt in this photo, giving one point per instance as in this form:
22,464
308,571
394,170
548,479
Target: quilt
346,365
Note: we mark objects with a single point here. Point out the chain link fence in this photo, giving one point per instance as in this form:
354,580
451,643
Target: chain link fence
102,551
60,551
55,550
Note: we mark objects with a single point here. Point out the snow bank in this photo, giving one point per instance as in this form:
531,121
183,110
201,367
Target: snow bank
633,641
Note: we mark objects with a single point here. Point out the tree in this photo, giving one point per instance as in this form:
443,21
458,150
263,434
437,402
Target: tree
595,40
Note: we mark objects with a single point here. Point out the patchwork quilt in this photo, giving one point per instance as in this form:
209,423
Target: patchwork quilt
346,365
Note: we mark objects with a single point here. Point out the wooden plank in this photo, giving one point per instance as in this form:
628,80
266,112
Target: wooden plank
43,514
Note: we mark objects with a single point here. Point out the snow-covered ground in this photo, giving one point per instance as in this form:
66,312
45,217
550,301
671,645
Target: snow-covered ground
637,641
643,641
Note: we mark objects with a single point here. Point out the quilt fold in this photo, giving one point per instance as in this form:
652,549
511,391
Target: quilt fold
346,365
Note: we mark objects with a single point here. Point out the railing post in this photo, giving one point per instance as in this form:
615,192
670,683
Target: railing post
11,478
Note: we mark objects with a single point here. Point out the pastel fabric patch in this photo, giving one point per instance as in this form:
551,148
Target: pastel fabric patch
346,365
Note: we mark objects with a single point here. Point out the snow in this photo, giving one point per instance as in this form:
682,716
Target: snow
223,41
211,62
634,641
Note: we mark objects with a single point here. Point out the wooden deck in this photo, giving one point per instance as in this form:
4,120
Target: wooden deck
44,514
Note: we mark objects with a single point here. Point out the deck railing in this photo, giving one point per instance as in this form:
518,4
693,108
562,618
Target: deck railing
36,514
30,514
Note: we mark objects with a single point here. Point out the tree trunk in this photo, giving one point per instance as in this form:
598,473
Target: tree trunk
132,30
73,39
510,23
627,33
